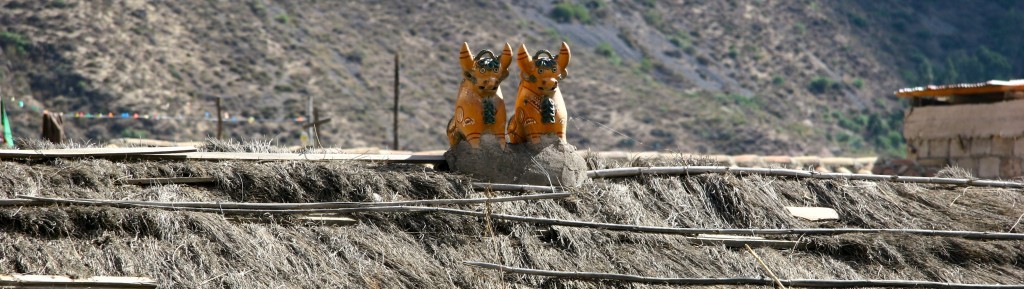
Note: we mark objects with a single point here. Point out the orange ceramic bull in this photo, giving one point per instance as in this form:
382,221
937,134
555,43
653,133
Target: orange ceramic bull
540,108
480,108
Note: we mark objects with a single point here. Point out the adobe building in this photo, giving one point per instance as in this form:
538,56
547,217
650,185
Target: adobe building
978,127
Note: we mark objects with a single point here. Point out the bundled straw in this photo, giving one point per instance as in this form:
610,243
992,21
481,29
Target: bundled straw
184,249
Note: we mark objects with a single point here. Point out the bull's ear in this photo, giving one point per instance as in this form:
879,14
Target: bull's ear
523,59
505,60
466,59
563,60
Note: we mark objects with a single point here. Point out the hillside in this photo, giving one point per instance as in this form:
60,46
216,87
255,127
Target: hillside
767,77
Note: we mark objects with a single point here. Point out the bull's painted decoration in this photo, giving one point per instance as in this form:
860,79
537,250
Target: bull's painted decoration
540,108
480,108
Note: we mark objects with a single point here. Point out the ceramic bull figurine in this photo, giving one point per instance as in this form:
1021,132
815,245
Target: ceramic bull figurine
480,108
540,108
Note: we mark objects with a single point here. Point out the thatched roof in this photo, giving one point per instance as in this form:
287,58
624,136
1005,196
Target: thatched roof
427,250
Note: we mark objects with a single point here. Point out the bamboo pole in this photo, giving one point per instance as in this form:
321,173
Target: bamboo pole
407,206
804,283
94,152
476,186
693,170
694,231
514,188
14,280
764,266
270,207
167,181
978,235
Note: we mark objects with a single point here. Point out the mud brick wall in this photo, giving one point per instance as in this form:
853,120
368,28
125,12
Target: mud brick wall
985,157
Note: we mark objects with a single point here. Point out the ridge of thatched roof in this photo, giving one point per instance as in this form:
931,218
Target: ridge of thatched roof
423,249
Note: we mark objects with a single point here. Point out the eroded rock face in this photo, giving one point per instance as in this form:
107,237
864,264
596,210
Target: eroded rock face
552,162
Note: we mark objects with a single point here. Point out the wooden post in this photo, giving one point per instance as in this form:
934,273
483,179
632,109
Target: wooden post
316,127
313,125
309,120
220,121
395,126
53,127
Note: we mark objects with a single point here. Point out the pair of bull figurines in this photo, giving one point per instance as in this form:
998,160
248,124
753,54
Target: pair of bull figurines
480,108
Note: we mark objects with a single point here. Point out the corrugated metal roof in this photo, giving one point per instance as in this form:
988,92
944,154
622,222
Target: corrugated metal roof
991,86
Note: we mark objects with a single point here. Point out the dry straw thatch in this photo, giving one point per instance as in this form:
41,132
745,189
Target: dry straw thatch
427,250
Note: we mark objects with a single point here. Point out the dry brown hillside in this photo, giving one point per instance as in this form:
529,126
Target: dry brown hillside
768,77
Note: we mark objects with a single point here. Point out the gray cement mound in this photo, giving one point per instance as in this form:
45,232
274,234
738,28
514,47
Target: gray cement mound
552,162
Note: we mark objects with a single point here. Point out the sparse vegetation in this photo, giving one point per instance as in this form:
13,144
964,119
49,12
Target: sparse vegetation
880,130
709,54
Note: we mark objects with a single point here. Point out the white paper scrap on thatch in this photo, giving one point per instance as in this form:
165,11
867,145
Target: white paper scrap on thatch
737,241
814,213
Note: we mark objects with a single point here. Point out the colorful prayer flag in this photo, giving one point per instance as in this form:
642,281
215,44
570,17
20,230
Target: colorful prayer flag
8,136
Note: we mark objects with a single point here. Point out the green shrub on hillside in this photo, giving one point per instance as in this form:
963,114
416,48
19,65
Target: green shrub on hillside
134,133
567,12
800,28
646,65
282,18
59,4
857,20
821,84
653,17
15,40
734,99
974,65
604,49
778,80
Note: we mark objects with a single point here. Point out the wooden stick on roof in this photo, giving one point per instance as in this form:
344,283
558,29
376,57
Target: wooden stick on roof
806,283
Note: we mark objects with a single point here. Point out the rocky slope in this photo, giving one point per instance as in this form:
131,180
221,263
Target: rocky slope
767,77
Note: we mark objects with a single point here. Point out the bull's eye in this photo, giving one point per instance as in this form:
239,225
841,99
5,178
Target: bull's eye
495,70
482,70
553,69
540,70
